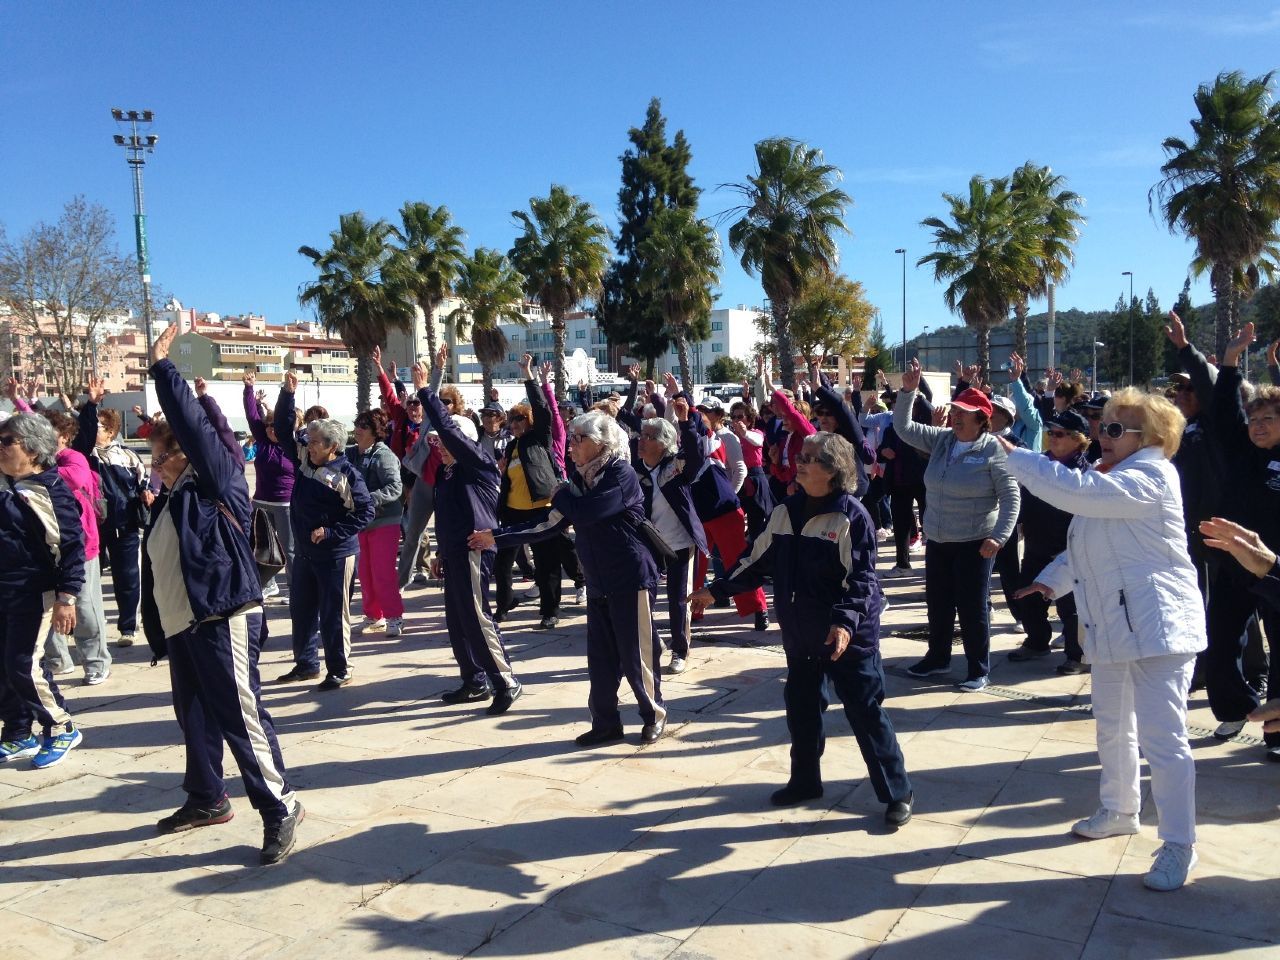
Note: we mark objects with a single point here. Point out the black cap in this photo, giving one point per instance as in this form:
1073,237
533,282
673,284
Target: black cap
493,407
1069,420
1095,401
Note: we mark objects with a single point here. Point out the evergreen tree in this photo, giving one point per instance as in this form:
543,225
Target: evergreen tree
879,356
654,176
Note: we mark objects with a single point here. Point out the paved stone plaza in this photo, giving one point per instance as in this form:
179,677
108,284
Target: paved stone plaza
435,831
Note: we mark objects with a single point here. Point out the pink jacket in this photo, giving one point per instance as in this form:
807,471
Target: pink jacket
79,476
558,436
797,428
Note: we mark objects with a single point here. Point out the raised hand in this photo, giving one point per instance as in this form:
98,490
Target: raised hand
670,383
376,356
546,370
11,388
421,375
855,383
1175,331
137,410
442,355
97,389
290,382
160,349
633,373
526,365
973,375
1077,375
759,364
202,387
1271,352
1238,345
250,379
681,408
1016,366
1055,379
911,376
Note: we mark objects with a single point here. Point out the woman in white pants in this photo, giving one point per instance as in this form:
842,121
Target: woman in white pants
1141,614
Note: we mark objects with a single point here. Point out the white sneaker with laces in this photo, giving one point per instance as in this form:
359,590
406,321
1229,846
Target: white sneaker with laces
896,572
127,640
1173,862
272,589
677,665
395,626
580,596
1106,823
373,626
1229,730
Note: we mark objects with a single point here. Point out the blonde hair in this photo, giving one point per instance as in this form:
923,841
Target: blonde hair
1162,423
450,392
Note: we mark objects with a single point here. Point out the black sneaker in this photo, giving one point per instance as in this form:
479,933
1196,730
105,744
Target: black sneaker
548,623
189,816
334,683
1072,668
278,838
467,694
1024,653
297,674
793,793
899,812
762,620
503,699
651,732
595,737
928,668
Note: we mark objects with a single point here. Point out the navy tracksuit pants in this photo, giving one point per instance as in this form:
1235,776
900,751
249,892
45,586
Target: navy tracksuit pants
957,581
320,594
679,583
27,692
622,641
126,574
476,639
1232,606
858,680
217,695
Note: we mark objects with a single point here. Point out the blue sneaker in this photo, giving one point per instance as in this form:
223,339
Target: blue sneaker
55,748
18,749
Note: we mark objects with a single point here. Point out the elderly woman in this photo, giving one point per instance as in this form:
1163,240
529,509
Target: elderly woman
1126,562
604,504
467,495
91,619
668,464
329,508
755,497
973,506
379,541
820,547
202,607
1044,533
273,474
126,498
40,579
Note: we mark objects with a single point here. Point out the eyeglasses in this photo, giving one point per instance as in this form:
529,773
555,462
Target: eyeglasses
739,416
579,437
8,440
157,460
1115,429
413,403
808,458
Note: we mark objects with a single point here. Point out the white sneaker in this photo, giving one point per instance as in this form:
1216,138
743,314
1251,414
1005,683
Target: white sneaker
677,665
64,671
272,589
883,534
977,683
395,626
1105,824
580,596
373,626
896,572
127,640
1229,730
1173,862
95,677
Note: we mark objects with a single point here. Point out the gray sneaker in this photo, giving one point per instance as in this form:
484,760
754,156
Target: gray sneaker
95,677
1173,862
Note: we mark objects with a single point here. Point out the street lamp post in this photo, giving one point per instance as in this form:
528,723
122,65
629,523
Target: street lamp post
1129,274
926,348
136,147
903,251
1096,345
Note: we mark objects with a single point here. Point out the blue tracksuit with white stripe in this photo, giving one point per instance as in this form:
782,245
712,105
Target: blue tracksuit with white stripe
822,554
202,607
43,550
621,576
332,496
467,500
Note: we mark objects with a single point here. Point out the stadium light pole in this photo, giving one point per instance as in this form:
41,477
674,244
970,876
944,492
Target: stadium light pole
1096,345
136,147
1129,274
903,251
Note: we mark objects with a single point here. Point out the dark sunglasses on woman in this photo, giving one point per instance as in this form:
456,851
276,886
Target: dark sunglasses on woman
1115,429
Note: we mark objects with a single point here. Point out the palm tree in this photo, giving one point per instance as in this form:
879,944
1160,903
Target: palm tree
1040,198
681,257
491,293
562,253
358,296
1222,188
788,220
986,253
430,255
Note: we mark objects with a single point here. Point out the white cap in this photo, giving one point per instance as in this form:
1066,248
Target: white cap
466,425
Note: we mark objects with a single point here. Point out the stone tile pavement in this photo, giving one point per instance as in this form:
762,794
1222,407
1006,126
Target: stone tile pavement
435,831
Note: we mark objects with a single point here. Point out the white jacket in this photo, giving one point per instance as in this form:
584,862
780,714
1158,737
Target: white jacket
1126,559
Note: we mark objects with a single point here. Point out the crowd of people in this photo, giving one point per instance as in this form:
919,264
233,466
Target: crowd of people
1150,521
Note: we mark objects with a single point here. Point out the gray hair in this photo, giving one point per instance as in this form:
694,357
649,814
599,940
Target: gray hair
332,432
836,453
662,430
604,430
35,436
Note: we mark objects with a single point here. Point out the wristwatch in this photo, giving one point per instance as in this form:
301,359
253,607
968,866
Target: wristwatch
67,598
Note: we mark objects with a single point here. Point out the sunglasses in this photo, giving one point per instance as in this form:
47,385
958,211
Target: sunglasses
739,416
446,400
8,440
1115,429
158,460
416,403
808,458
1057,434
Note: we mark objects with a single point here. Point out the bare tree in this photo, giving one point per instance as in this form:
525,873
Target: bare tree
58,283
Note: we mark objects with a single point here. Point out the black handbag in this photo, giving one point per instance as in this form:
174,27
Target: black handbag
659,547
264,541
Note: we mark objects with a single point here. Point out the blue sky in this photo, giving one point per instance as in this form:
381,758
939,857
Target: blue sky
274,118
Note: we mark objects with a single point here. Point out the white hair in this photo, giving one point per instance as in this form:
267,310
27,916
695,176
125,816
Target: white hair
35,435
332,432
662,430
603,429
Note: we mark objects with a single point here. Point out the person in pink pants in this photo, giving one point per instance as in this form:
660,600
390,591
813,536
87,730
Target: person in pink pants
380,540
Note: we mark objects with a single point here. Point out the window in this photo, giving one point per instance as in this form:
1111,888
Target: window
717,348
675,350
184,368
184,349
580,334
717,325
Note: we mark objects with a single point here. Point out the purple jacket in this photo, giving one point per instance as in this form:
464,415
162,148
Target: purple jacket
274,470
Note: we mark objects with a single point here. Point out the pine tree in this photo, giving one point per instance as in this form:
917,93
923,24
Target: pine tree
654,176
879,356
